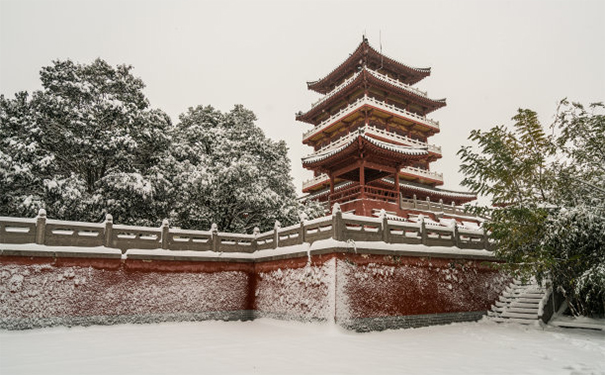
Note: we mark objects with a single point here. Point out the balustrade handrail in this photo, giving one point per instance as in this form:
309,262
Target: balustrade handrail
369,100
398,83
315,180
423,172
337,89
76,234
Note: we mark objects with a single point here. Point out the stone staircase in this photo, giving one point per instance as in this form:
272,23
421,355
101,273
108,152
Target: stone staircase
519,303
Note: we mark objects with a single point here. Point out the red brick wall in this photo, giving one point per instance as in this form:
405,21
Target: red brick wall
378,286
41,288
341,286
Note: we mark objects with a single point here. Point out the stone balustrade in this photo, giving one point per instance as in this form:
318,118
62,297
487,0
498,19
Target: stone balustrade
338,226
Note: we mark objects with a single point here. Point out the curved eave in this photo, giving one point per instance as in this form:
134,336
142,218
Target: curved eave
434,155
309,116
324,85
369,144
431,104
459,196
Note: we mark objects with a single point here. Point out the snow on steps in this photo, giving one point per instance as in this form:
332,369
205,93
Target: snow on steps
519,303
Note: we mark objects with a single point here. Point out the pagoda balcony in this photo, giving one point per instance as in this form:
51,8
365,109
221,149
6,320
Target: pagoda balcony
380,76
337,89
349,191
416,172
369,101
364,192
317,180
398,83
381,133
434,176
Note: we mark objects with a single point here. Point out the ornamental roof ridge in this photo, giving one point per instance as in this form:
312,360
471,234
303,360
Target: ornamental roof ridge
423,71
326,154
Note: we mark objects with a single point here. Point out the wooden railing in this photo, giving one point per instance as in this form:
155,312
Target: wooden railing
370,192
338,226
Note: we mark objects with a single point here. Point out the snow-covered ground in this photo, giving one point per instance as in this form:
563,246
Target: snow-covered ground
275,347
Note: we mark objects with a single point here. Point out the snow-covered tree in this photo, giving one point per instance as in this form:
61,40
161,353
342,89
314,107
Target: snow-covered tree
88,144
229,173
82,146
548,196
24,163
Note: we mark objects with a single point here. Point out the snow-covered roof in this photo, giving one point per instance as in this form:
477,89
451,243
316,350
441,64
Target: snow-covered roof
403,150
434,190
364,76
365,50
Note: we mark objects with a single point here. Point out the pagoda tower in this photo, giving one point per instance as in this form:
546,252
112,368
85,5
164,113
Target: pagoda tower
370,139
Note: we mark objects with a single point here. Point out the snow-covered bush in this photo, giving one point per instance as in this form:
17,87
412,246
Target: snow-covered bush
548,196
574,244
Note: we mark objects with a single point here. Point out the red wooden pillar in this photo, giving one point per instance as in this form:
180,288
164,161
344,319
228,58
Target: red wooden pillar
331,184
362,178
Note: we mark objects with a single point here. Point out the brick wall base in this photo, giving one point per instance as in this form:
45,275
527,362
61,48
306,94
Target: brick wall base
69,321
411,321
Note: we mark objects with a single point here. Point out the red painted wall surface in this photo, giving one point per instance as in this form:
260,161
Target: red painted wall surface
377,286
340,286
37,288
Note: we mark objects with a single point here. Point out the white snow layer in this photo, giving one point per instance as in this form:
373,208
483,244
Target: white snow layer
269,346
421,250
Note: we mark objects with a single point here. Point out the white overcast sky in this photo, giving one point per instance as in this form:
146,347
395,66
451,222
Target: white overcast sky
488,58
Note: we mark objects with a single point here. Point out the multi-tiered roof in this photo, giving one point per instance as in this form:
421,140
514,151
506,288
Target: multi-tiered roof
370,137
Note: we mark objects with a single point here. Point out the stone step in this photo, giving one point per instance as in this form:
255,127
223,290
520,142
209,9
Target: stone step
523,295
526,301
528,291
522,305
518,303
521,310
534,295
508,314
